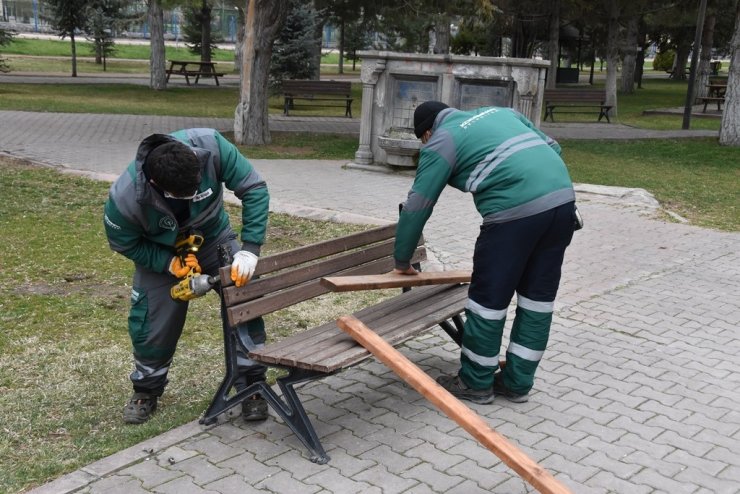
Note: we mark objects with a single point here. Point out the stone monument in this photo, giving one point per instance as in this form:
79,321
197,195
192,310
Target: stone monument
394,84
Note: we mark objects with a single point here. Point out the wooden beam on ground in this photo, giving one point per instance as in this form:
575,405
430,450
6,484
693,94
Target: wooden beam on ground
530,471
394,280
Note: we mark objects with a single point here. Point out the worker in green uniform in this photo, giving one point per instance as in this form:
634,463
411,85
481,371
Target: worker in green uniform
523,191
173,187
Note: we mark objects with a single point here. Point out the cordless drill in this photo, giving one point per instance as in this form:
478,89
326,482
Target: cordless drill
193,284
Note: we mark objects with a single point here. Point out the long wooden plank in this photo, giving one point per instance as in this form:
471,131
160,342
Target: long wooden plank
523,465
394,280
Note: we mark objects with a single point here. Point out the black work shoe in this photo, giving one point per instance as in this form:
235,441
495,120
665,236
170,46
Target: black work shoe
500,390
254,408
139,408
460,390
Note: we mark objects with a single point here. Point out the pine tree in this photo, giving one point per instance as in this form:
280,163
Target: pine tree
103,17
68,17
197,31
292,52
5,38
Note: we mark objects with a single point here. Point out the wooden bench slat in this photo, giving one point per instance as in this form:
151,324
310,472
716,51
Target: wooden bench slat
395,328
291,296
259,287
300,255
299,342
395,320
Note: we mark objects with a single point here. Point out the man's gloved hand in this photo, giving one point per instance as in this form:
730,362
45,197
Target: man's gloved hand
242,267
180,269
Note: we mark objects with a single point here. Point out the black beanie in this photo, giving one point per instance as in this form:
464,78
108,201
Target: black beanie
425,114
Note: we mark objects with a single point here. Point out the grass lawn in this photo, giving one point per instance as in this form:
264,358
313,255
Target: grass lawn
696,178
204,100
62,48
64,346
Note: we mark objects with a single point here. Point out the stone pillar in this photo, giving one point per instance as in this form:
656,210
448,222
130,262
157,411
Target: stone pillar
536,111
370,74
525,106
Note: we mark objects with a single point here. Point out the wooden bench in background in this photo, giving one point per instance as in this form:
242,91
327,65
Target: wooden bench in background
576,100
321,93
711,99
295,276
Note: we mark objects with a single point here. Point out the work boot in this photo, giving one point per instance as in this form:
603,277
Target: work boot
254,408
499,389
139,408
460,390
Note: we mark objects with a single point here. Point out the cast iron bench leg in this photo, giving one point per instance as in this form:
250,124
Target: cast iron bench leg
291,410
455,332
221,400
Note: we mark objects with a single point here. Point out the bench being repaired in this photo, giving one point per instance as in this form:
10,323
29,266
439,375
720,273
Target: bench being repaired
294,276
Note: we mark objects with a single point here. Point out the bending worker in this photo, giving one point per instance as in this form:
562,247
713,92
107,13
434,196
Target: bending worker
522,189
175,187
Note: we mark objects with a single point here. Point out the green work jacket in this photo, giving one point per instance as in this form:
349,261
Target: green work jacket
139,223
510,167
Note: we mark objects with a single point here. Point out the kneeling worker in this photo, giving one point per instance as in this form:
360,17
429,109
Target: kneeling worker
174,187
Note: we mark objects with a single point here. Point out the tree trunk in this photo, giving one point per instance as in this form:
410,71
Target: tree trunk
74,54
98,43
682,57
612,56
318,34
442,34
640,61
341,46
630,55
239,46
707,39
263,21
729,132
205,32
554,45
157,63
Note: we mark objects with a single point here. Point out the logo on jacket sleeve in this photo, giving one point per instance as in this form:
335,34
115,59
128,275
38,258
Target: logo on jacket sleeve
168,223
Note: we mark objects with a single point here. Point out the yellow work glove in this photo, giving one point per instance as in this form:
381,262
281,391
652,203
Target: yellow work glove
180,269
242,268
